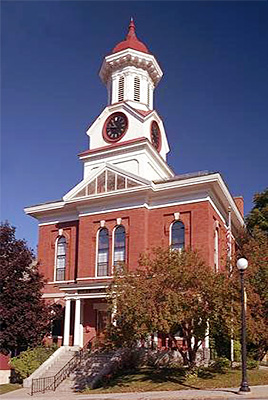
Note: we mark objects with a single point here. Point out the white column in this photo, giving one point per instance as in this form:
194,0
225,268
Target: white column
67,322
77,322
114,313
155,340
207,337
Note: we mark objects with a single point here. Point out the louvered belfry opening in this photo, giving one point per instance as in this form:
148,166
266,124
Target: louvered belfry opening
121,85
136,89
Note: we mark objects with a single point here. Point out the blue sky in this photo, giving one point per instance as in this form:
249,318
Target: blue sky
212,98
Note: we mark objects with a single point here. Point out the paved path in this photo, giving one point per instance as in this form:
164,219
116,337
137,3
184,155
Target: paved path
257,393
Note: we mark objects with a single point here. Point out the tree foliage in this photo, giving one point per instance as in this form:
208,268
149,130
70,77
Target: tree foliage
254,247
24,316
258,216
171,291
28,361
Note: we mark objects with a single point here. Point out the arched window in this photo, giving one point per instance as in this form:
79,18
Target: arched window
61,259
121,88
136,89
103,253
177,236
119,246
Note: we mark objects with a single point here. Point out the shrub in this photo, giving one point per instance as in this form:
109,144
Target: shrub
251,364
237,351
220,365
28,361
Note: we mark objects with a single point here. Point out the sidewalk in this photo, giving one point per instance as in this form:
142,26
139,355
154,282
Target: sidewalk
257,393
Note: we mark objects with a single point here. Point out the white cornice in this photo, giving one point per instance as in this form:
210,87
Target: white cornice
212,183
129,148
45,207
130,57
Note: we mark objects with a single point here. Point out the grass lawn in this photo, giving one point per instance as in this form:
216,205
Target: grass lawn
8,387
147,379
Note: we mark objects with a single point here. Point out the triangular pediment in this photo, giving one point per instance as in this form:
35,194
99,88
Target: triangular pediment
106,179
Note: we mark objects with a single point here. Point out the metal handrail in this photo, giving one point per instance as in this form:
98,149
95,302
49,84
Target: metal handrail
52,382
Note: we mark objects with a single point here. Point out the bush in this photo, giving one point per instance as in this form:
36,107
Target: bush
252,364
237,351
28,361
220,365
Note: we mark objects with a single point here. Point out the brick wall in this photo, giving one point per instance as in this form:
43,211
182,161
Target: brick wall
145,229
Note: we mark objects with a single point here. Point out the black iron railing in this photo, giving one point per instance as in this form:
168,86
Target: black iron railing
41,385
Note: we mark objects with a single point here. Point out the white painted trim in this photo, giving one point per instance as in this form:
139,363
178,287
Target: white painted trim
170,234
217,211
112,267
67,322
63,219
103,286
44,207
52,295
86,296
113,244
195,181
56,282
97,252
145,205
55,256
114,193
177,203
216,249
97,172
170,231
94,277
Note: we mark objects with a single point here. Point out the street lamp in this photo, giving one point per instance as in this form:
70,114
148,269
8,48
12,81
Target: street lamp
242,265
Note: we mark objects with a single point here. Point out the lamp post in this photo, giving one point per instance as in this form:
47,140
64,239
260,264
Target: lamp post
242,265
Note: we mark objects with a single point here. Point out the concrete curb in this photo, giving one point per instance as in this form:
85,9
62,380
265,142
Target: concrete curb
257,393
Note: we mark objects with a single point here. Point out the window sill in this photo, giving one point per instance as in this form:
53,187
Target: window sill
55,282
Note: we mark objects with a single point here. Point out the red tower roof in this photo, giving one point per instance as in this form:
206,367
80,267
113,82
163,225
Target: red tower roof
131,41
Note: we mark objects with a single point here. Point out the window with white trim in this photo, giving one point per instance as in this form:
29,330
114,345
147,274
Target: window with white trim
137,85
103,253
216,249
177,236
60,259
119,246
121,85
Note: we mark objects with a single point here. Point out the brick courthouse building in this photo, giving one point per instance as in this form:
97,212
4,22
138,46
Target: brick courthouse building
128,201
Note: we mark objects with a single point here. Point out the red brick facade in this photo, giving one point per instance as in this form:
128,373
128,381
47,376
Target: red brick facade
145,229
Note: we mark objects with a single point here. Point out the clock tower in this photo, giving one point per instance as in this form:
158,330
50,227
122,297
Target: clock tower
128,202
129,133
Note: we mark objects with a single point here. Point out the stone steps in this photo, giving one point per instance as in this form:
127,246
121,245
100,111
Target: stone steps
53,365
58,364
90,367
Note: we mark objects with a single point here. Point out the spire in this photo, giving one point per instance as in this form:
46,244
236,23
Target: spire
131,41
131,30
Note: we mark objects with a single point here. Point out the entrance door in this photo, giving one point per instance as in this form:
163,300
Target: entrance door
102,321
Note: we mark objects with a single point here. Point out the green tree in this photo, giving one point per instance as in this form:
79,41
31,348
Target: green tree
24,316
258,216
254,247
170,291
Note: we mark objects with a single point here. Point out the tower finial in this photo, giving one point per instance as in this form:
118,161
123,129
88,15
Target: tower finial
131,29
